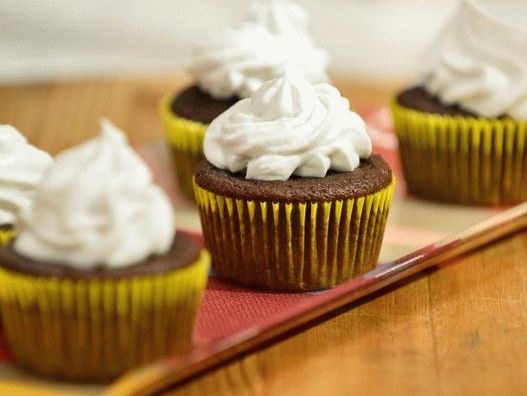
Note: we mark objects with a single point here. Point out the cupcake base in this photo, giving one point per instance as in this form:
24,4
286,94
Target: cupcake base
95,329
293,246
462,159
186,140
185,119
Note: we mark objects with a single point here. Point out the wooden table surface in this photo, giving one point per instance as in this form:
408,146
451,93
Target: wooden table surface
458,330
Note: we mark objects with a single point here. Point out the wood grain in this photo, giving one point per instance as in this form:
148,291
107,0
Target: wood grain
461,329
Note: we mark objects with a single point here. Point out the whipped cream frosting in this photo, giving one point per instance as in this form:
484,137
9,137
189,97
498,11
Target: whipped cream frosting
97,206
236,61
288,127
479,60
21,168
279,16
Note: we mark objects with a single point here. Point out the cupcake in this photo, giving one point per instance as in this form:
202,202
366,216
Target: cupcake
291,197
463,130
95,282
230,65
21,168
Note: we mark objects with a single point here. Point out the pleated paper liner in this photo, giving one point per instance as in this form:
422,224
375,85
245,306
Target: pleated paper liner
95,329
6,234
185,163
462,159
293,246
186,140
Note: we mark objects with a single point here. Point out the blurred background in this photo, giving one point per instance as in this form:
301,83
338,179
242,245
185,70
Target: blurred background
64,39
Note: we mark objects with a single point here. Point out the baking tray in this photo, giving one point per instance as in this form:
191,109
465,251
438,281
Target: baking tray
233,320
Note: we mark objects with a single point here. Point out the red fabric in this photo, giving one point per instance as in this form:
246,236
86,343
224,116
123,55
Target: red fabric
227,309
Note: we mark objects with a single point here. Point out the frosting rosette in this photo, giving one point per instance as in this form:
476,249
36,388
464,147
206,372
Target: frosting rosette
21,168
479,60
288,127
237,61
97,206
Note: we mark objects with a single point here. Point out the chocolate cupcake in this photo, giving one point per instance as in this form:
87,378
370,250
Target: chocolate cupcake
230,65
95,281
463,130
291,197
21,168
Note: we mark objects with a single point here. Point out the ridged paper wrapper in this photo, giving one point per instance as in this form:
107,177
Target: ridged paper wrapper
185,137
462,159
94,329
293,246
6,235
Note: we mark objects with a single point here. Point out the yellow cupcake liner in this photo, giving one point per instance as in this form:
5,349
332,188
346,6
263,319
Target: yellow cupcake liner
186,140
95,329
6,235
182,133
293,246
185,164
462,159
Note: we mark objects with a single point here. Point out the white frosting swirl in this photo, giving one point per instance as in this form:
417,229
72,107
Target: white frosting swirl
479,61
237,61
280,16
288,127
21,168
97,205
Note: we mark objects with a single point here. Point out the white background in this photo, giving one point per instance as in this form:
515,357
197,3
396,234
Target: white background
42,39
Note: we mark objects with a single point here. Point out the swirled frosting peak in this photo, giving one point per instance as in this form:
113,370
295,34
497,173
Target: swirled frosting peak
288,127
97,206
237,61
279,16
479,60
21,167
